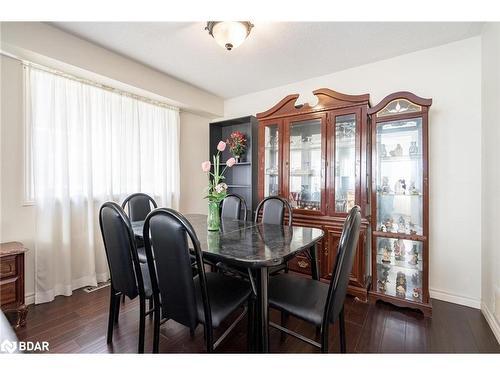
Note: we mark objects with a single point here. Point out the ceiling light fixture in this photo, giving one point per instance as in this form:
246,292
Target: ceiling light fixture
229,34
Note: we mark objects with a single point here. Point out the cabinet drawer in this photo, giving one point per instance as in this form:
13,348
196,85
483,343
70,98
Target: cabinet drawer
8,292
8,267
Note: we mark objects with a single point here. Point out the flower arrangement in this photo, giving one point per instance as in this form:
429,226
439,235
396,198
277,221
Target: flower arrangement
237,142
217,189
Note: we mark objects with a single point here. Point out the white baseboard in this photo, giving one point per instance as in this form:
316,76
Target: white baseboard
29,298
490,318
454,298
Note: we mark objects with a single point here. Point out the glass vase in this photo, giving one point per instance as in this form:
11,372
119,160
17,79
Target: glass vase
213,219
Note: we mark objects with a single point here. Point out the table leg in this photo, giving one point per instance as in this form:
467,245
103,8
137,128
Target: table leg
262,310
313,251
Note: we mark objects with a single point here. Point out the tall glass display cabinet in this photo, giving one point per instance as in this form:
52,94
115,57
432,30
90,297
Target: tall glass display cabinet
400,201
316,158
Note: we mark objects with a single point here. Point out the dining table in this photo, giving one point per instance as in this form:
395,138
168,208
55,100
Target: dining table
258,247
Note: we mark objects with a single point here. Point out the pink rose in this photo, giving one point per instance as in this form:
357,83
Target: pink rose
221,146
205,166
230,162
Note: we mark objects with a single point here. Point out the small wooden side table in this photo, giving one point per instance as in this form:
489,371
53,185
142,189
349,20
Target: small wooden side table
12,281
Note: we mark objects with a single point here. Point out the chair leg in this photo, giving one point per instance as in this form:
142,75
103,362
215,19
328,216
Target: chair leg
343,345
117,307
156,334
284,321
324,338
250,325
111,319
142,323
209,339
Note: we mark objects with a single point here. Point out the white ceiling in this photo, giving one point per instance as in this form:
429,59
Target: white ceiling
275,54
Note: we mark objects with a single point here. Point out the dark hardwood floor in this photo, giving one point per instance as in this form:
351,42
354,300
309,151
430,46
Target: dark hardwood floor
77,324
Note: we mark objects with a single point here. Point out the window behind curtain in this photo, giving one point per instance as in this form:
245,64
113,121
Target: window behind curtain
85,142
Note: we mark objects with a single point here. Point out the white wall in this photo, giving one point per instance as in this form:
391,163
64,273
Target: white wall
491,175
194,150
54,48
17,222
451,76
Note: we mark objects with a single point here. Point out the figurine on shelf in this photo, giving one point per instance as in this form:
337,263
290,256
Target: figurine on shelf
400,187
385,245
411,228
416,279
401,284
413,190
386,256
382,285
414,256
417,293
398,151
401,224
385,188
388,224
383,151
413,150
399,250
383,228
384,278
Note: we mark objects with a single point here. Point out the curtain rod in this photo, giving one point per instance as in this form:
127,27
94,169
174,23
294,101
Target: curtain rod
31,64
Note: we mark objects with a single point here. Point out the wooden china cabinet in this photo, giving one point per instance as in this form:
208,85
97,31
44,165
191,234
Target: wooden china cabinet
317,158
400,201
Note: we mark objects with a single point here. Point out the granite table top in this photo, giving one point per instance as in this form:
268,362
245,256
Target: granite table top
249,244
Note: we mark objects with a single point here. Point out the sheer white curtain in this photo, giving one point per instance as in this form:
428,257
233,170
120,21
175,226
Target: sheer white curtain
90,145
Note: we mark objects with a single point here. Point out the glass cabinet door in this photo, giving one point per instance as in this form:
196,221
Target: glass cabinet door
399,180
304,169
345,162
271,160
399,192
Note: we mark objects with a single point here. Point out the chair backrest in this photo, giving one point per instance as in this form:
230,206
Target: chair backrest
231,207
273,211
343,265
121,252
139,206
166,233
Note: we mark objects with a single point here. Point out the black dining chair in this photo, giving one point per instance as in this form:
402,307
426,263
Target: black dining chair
138,206
207,298
316,302
232,206
273,212
129,277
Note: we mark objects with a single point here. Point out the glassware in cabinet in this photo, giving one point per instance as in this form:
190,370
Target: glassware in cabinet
345,162
271,160
304,169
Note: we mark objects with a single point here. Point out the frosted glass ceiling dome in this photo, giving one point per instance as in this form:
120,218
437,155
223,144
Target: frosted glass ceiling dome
229,34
